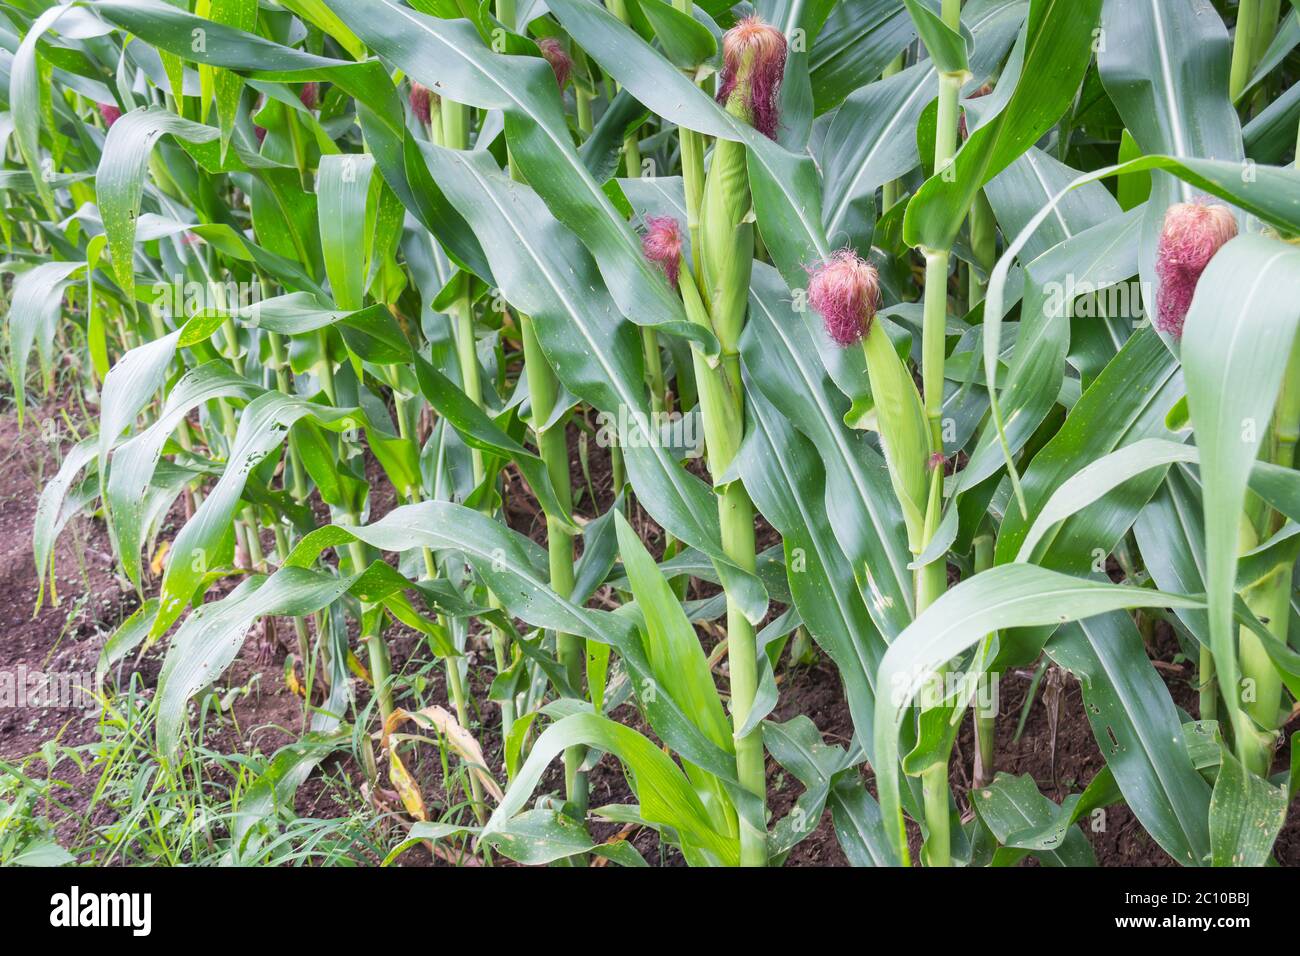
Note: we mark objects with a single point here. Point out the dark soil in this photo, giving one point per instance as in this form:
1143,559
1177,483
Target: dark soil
93,599
58,638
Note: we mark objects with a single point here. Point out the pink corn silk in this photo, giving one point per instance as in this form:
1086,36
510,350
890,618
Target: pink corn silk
1192,234
421,102
754,60
555,55
845,291
662,245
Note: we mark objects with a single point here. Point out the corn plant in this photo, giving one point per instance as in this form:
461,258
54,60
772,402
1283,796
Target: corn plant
987,309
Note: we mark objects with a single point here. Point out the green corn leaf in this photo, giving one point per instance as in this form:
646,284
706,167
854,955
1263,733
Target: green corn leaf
52,513
587,344
661,788
242,15
686,41
856,43
1010,596
204,646
1267,193
275,786
26,95
1246,814
1096,246
784,185
34,314
449,55
858,824
538,837
797,746
392,146
1035,88
348,194
1168,79
318,13
1138,731
1234,354
119,181
676,658
784,477
516,570
129,635
1012,804
134,461
946,46
1129,401
867,145
262,427
867,521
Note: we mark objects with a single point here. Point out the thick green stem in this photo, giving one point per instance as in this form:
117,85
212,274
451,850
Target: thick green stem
297,476
380,668
692,148
932,579
372,635
736,513
934,797
543,391
1243,47
892,191
1270,601
232,345
728,257
455,135
933,342
692,145
506,13
616,476
632,156
945,132
325,368
721,404
654,369
1209,688
455,124
467,356
254,542
985,720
